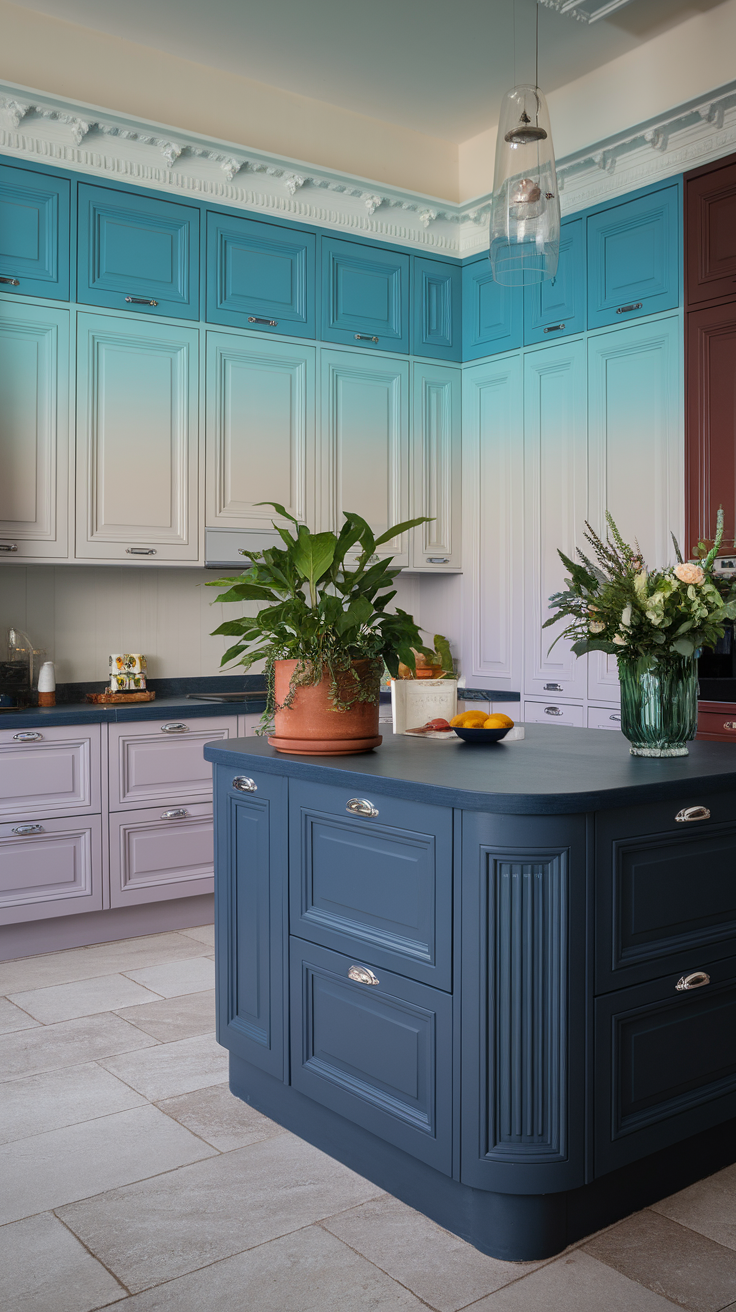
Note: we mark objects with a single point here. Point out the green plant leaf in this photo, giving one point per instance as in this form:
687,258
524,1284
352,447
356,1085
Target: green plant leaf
279,510
442,647
400,528
313,554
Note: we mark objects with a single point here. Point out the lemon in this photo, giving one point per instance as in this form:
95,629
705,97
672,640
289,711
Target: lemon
498,721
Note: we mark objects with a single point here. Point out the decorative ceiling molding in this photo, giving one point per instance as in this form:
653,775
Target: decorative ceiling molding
43,128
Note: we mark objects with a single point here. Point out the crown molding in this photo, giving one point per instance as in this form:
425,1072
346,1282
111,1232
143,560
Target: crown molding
106,145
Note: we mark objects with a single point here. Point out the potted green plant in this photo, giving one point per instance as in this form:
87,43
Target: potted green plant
324,631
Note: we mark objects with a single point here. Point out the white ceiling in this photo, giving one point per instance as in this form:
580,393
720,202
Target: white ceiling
429,65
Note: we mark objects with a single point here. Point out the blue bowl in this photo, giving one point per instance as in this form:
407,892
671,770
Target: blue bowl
481,735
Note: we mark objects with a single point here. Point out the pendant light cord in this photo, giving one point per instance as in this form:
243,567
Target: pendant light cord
536,52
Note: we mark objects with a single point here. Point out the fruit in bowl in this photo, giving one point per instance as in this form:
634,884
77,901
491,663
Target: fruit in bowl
477,727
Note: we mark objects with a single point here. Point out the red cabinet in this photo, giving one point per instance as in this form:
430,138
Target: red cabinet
710,232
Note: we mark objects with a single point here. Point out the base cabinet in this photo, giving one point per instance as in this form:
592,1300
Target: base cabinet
160,853
50,868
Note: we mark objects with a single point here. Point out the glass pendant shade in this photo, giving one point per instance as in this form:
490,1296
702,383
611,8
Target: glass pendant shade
525,211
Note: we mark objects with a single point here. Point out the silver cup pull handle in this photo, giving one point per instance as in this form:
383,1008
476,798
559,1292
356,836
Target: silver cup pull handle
361,806
362,975
175,726
245,785
692,813
27,736
695,980
176,813
28,829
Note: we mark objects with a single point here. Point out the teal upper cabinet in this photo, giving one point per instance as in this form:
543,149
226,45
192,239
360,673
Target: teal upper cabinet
138,253
365,295
260,276
436,318
34,233
492,314
634,257
556,307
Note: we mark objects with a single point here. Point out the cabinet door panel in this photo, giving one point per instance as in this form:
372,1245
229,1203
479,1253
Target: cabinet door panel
710,240
54,871
260,276
34,457
436,314
34,233
365,295
553,713
555,477
710,345
159,854
57,772
492,314
365,444
634,258
436,472
254,389
556,307
150,763
636,449
138,253
137,440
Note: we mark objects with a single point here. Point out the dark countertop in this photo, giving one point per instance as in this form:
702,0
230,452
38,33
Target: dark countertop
554,770
164,708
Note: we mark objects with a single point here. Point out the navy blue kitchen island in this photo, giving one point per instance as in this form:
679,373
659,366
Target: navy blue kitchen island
498,981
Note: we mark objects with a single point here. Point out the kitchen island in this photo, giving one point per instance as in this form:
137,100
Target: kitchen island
498,981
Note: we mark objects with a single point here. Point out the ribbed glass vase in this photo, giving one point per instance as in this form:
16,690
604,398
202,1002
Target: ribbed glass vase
659,704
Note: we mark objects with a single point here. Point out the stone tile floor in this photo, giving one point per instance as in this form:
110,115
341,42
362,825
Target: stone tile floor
130,1177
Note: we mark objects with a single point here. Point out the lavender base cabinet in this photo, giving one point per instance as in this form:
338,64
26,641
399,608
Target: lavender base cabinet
50,868
161,853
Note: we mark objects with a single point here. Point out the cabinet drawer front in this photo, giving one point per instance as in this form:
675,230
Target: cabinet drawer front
717,724
365,295
492,314
160,853
436,319
380,885
55,870
553,713
633,258
604,717
153,763
556,307
379,1053
55,773
260,276
138,247
665,1062
34,233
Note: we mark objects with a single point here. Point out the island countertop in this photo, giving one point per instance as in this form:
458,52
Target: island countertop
554,770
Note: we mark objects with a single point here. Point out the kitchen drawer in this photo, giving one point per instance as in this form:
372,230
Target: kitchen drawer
53,770
553,713
154,763
162,852
50,868
604,717
377,884
665,1063
664,888
717,725
379,1053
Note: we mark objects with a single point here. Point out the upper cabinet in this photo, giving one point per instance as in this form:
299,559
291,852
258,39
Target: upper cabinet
436,319
260,276
492,314
556,307
34,233
435,452
138,252
710,234
634,258
365,296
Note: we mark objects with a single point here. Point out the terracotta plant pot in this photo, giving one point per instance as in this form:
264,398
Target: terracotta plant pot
313,726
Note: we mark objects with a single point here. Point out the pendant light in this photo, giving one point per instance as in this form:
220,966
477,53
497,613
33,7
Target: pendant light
525,210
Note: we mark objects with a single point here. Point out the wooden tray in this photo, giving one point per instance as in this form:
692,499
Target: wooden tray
144,695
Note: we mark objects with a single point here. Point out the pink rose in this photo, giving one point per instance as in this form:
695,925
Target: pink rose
687,573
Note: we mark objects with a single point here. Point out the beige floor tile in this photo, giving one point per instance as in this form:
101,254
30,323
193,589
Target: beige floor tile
64,1097
48,1170
679,1263
574,1283
13,1018
100,959
173,1068
175,978
69,1044
203,934
443,1270
85,997
43,1268
708,1206
174,1018
176,1223
305,1272
220,1118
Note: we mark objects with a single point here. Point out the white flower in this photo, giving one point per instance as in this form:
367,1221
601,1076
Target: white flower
626,616
595,626
619,640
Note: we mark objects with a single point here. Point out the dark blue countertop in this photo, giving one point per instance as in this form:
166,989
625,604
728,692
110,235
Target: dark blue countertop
164,708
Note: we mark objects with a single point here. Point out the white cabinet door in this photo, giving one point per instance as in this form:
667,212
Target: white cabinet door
260,430
636,451
555,495
34,424
436,448
365,444
137,445
493,521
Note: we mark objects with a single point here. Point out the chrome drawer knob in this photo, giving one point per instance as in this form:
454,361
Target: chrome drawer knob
175,727
177,813
23,830
245,785
28,736
695,980
692,813
362,975
361,806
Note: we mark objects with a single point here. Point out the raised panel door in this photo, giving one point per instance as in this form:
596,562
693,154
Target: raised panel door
365,295
555,483
161,853
710,443
50,771
556,307
492,314
137,440
34,424
260,276
436,469
34,233
50,868
154,762
260,431
436,309
710,233
634,258
365,444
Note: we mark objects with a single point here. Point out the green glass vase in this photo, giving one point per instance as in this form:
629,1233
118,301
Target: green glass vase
659,704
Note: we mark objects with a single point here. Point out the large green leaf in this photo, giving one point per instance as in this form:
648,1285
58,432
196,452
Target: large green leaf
442,647
400,528
279,510
313,554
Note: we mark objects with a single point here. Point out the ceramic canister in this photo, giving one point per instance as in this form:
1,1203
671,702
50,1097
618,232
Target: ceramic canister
127,663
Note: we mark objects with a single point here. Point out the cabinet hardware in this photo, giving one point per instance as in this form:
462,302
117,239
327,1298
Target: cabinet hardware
244,784
27,736
729,724
140,300
362,975
555,328
178,813
140,551
361,806
365,337
28,829
552,710
617,718
8,546
438,560
695,980
14,282
624,309
175,726
272,323
693,813
553,687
